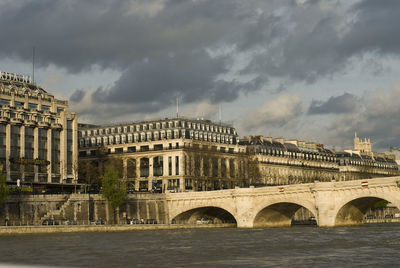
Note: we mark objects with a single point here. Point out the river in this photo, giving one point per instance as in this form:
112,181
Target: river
369,245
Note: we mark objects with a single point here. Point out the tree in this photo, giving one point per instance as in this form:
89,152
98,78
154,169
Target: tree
112,188
3,188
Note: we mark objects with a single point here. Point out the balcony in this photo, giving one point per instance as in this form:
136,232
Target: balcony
16,120
4,119
43,124
56,126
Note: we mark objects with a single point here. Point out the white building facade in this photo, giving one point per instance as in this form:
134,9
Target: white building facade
169,154
38,136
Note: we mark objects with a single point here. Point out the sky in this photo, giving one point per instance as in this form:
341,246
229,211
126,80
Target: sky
310,70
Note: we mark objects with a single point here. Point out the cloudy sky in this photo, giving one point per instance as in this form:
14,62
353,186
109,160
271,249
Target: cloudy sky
304,69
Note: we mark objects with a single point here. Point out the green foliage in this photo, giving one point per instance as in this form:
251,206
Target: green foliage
3,188
112,188
380,204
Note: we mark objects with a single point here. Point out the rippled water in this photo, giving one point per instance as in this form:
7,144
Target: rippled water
369,245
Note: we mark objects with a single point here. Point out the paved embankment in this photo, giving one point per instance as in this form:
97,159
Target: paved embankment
11,230
381,220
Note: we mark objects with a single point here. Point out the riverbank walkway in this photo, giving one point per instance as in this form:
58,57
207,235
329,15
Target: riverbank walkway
13,230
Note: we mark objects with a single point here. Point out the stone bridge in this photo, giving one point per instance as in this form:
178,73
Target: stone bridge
332,203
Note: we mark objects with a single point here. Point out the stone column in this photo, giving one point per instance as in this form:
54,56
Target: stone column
128,209
173,165
187,165
151,174
236,169
201,166
8,150
107,213
151,166
165,165
49,155
219,167
63,146
164,184
22,141
137,167
227,167
165,173
125,168
22,149
137,178
36,151
210,167
181,184
181,165
12,100
192,166
75,145
325,202
137,181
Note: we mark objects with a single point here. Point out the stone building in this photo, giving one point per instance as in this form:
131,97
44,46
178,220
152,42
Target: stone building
174,154
38,136
291,161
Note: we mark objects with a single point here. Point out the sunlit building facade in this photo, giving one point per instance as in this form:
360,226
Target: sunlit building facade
38,136
174,154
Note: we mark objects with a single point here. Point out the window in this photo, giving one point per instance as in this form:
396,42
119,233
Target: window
169,165
18,104
45,108
144,148
158,166
144,167
158,147
4,102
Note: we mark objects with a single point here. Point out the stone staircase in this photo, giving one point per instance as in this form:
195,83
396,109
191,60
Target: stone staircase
57,214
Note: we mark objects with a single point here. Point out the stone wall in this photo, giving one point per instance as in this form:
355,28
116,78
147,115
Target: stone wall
82,208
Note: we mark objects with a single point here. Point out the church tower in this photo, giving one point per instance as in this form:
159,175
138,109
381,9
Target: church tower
362,146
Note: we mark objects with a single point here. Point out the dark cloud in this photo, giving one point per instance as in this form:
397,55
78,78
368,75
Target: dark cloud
345,103
77,95
170,48
374,28
376,118
189,76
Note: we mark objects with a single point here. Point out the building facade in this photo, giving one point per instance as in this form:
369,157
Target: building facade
38,136
174,154
283,161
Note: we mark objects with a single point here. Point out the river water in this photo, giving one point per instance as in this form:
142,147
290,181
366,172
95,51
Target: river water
368,245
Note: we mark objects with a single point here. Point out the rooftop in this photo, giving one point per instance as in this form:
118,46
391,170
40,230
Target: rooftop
180,118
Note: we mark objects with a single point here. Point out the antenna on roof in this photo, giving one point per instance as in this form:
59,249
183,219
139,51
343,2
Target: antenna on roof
219,116
33,65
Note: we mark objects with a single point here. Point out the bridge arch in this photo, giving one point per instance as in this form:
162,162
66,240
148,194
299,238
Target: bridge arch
210,214
280,213
353,209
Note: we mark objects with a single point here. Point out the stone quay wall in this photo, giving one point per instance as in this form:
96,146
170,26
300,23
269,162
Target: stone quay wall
22,210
